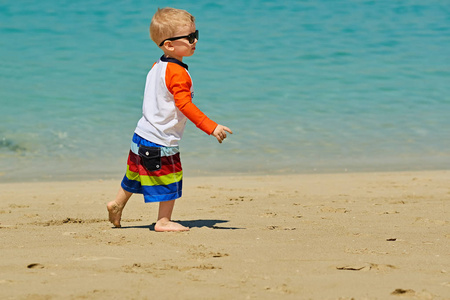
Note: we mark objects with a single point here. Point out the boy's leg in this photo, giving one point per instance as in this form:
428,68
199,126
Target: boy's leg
115,207
165,213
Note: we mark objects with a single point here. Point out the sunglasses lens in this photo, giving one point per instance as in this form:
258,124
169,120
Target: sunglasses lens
193,36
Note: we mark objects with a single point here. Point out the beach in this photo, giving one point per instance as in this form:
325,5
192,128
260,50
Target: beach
380,235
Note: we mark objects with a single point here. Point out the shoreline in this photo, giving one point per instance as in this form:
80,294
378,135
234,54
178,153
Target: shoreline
298,236
190,173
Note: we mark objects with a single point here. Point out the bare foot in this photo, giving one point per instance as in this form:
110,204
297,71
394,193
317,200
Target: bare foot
165,225
115,213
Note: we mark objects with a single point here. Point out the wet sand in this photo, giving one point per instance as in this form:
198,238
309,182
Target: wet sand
321,236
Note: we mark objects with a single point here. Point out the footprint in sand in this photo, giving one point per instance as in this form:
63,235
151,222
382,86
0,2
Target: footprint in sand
334,210
164,269
274,227
201,251
241,199
35,266
366,267
403,292
268,215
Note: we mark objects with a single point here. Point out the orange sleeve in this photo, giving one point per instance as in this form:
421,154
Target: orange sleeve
179,84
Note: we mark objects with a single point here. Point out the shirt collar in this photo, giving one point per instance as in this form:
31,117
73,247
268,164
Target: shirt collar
174,60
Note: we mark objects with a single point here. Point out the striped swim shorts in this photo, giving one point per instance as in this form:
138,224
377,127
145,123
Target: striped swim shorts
153,170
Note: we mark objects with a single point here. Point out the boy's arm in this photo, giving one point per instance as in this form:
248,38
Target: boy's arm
179,84
193,113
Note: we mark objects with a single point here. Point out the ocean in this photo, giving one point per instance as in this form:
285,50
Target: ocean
310,86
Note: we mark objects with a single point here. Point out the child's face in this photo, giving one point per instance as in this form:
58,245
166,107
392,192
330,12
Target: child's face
181,48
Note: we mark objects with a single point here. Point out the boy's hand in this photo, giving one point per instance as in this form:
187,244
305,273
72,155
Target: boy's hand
220,132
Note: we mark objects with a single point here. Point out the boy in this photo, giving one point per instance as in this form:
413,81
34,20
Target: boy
154,167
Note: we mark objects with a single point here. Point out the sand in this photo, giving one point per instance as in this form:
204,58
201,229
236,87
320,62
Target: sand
320,236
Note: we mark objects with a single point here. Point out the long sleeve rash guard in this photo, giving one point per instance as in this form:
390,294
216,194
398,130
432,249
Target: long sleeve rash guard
168,104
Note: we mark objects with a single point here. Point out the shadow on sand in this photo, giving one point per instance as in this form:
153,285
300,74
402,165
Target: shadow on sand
191,224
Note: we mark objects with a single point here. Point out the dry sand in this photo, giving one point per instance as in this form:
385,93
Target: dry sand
338,236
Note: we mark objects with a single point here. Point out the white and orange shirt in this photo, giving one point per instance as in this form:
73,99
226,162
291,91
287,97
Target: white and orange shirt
168,104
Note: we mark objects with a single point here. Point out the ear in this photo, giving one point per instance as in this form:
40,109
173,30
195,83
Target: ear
168,46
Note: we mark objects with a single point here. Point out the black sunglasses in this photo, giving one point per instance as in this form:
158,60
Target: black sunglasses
191,37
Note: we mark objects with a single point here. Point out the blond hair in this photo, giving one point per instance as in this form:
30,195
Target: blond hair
166,22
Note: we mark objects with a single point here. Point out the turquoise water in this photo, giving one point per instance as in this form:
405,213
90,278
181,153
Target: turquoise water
307,86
